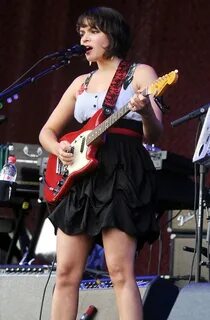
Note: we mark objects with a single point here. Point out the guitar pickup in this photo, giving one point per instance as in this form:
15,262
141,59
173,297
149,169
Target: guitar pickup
59,165
61,168
65,171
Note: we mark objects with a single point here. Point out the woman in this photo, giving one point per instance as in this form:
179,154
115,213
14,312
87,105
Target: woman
115,203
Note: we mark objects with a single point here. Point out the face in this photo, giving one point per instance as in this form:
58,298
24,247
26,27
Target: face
95,41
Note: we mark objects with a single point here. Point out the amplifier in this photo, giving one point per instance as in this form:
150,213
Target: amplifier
181,261
184,221
22,291
31,161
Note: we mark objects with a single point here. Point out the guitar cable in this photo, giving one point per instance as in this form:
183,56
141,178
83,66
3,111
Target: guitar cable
45,288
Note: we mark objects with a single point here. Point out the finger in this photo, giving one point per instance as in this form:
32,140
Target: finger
132,107
69,161
135,99
65,146
65,155
142,93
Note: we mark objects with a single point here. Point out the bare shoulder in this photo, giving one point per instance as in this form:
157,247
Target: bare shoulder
145,72
78,81
73,89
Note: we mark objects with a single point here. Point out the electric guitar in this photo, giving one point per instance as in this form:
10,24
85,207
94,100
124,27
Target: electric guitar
85,142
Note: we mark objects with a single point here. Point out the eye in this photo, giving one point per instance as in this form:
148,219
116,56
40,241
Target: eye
95,30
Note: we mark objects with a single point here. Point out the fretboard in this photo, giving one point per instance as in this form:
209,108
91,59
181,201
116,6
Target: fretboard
106,124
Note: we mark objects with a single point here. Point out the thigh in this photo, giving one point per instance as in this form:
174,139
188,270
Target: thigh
72,251
120,249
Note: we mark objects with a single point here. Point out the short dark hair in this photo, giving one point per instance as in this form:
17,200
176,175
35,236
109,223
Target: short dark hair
113,24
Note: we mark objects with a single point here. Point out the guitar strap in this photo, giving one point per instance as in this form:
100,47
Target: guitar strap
115,87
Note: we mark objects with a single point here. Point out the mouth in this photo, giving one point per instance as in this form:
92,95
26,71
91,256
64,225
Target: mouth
88,49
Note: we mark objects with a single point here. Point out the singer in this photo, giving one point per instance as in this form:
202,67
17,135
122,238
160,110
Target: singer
114,203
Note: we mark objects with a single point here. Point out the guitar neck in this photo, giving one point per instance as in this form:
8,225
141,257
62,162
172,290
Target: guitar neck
110,121
106,124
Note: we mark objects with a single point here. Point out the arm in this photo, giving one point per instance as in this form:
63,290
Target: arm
59,118
146,106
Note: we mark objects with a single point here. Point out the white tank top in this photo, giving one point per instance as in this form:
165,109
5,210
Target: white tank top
88,103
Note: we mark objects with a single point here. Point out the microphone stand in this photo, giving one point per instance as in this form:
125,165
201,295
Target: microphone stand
64,57
13,90
202,171
64,60
200,223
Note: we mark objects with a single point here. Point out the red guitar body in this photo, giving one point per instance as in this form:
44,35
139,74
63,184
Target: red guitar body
57,183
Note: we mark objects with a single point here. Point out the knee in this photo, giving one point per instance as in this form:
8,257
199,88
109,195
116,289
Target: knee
68,277
117,274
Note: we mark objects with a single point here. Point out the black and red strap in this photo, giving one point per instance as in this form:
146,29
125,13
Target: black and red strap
115,87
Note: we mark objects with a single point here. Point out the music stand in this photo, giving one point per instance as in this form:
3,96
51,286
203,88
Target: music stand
202,151
202,157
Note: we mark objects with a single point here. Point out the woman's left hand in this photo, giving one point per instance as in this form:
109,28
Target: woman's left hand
139,103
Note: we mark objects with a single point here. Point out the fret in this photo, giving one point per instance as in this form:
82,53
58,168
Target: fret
156,88
106,124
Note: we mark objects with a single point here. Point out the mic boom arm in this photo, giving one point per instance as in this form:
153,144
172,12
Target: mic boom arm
15,89
194,114
64,57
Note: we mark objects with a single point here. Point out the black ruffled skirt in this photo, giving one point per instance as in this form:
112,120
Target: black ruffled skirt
121,194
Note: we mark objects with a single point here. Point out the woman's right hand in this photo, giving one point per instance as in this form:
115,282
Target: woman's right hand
65,153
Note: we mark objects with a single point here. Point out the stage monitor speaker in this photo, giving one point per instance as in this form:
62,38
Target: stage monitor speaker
192,303
181,260
22,294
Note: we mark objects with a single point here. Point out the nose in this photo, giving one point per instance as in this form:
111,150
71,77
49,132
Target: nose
85,38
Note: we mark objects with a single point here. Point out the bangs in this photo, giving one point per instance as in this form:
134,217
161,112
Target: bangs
90,19
94,17
86,22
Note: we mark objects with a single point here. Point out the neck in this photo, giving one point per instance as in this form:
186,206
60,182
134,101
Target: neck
108,64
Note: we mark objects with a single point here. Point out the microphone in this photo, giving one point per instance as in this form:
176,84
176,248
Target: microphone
89,313
194,114
76,50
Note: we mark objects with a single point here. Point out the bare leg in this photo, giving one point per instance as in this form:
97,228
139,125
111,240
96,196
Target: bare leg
72,253
120,251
